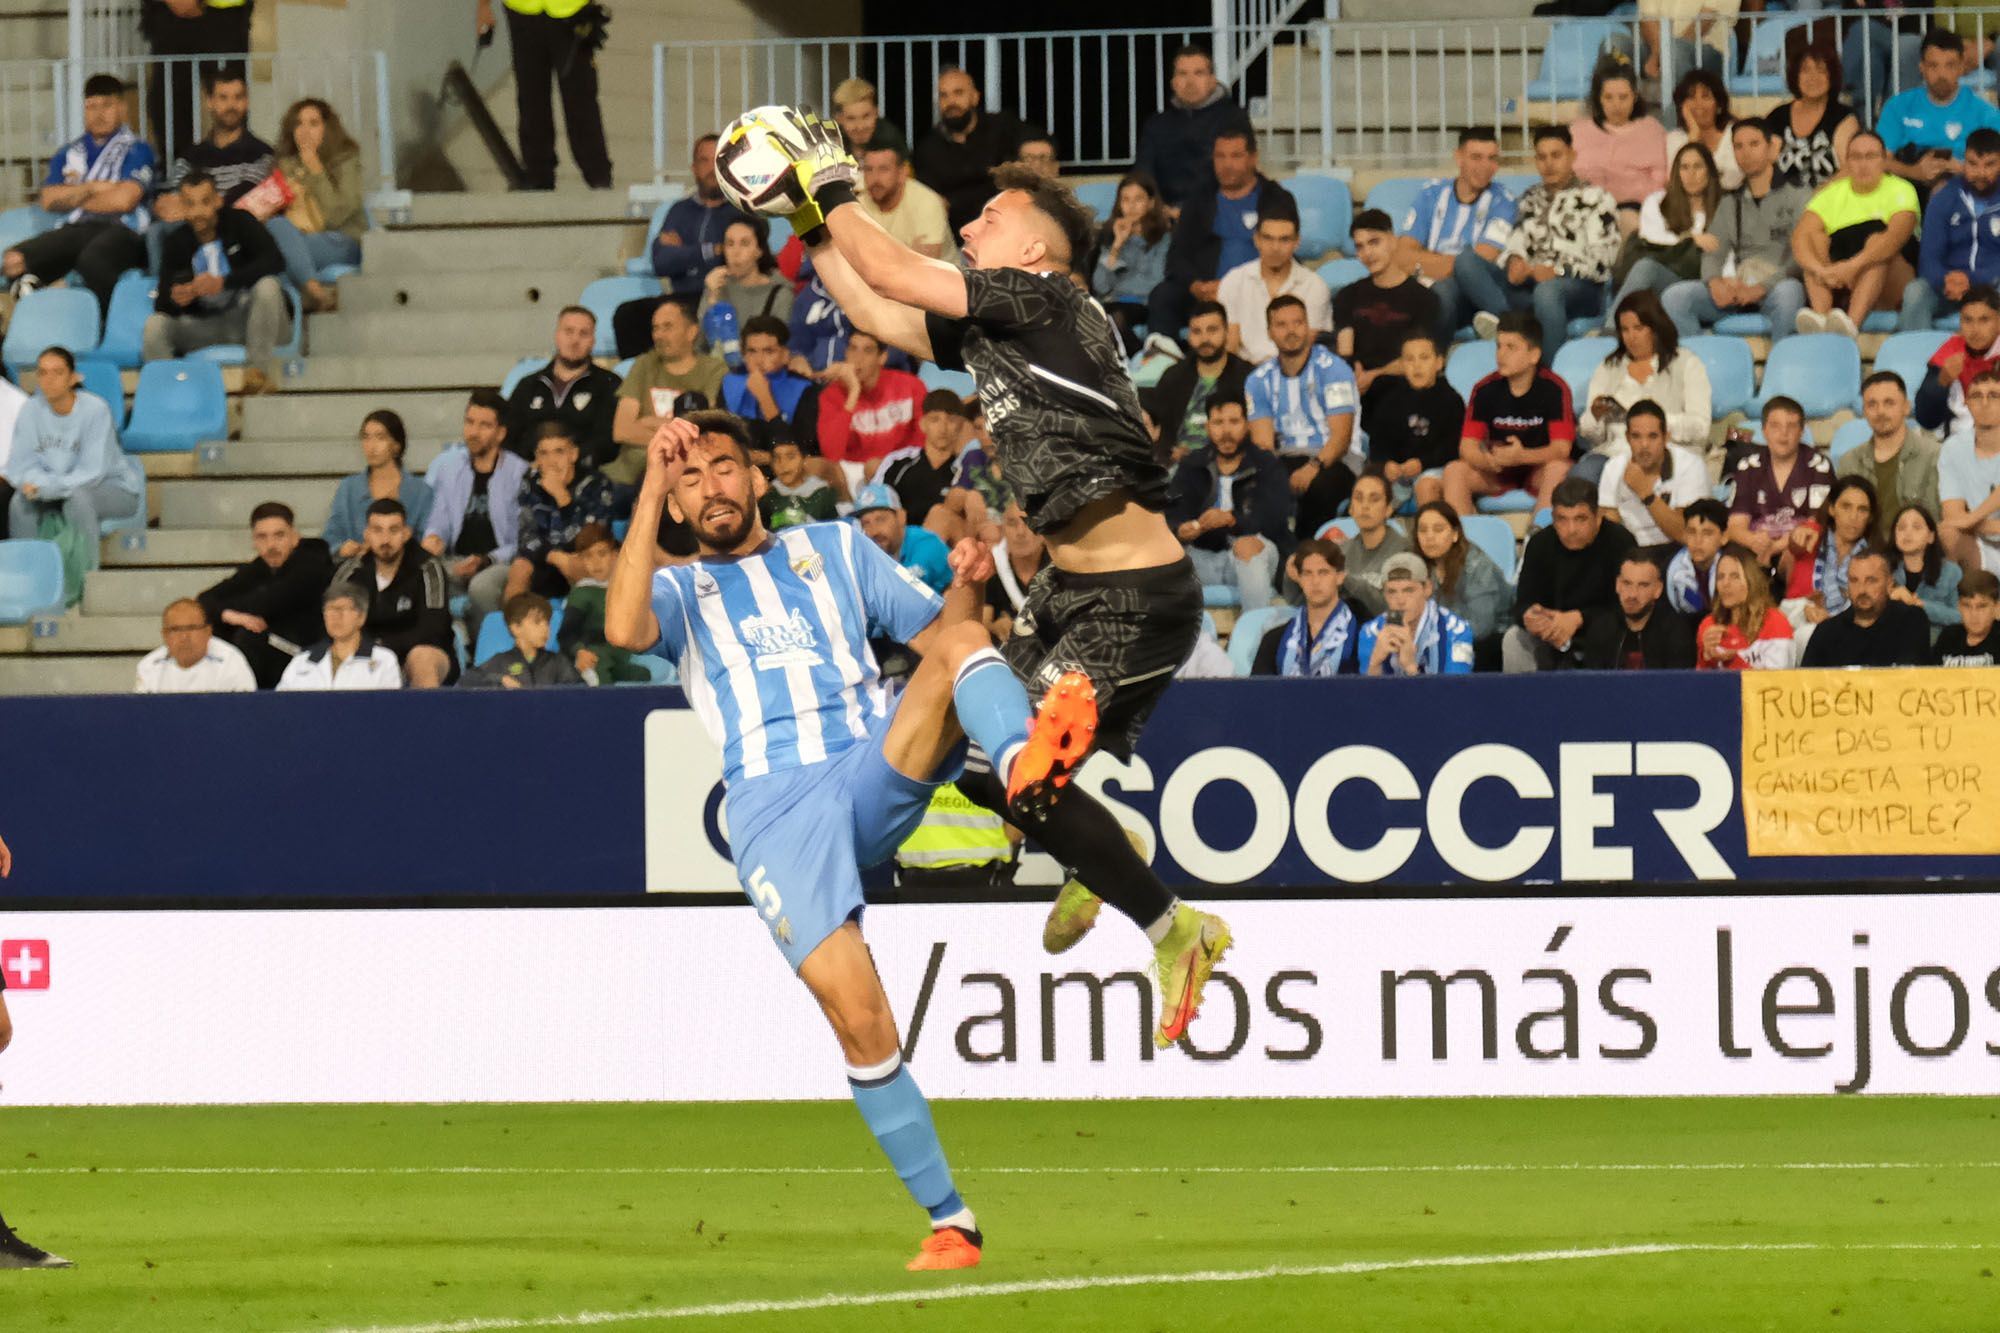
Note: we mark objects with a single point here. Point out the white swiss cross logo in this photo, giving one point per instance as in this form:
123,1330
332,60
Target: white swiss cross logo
25,963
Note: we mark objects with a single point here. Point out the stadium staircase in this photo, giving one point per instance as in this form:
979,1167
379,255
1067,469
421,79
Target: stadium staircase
443,305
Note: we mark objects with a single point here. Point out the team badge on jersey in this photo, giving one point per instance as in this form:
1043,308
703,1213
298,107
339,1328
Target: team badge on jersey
810,567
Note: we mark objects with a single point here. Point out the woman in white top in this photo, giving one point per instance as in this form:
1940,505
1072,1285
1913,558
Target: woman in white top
1703,104
1673,224
1648,363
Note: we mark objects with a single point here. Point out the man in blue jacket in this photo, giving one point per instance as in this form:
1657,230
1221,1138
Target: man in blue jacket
1960,249
1231,506
1216,231
1176,143
688,246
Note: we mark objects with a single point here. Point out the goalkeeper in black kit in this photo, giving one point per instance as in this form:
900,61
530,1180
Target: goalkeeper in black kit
1118,609
15,1252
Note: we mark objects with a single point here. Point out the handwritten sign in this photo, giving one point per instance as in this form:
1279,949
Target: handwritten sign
1901,762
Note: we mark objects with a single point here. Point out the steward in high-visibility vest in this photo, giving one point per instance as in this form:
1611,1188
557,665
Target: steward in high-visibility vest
958,843
556,41
215,28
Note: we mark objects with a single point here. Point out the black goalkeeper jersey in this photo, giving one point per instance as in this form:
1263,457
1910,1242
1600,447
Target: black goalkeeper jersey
1059,401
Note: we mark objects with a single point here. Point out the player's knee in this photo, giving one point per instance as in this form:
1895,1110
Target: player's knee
961,641
866,1028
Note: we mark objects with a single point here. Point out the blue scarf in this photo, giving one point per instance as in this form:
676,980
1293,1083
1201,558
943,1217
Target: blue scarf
1302,654
1686,592
1430,644
109,166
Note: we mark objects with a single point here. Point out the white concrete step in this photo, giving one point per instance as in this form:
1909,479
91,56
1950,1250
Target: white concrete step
76,633
226,502
507,334
308,458
470,294
326,416
492,249
487,208
440,371
138,592
32,674
227,545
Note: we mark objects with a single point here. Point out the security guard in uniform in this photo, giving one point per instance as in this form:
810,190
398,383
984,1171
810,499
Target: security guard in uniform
556,40
187,28
959,844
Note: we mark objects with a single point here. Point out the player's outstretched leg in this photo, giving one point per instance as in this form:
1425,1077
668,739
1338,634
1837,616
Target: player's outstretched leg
841,975
17,1253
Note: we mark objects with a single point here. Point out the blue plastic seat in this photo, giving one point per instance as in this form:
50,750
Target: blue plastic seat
1732,372
641,266
1570,57
1880,321
1822,371
935,376
494,638
1744,324
1396,196
1220,594
1909,355
1346,526
1853,434
1251,627
523,368
31,580
605,295
624,368
18,224
1100,197
781,232
1763,73
1326,213
1578,359
1493,535
52,317
1341,272
125,322
236,354
333,273
102,377
1468,364
1507,502
178,405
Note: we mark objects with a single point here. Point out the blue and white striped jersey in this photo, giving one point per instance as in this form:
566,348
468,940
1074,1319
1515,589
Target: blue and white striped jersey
773,647
1444,225
1301,404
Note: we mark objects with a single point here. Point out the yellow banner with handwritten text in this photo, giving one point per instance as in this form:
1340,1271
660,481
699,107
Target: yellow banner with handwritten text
1902,762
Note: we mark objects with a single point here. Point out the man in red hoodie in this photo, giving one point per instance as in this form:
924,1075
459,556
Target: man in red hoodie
881,411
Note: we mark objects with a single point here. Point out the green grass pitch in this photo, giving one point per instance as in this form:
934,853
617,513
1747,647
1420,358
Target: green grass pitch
1876,1213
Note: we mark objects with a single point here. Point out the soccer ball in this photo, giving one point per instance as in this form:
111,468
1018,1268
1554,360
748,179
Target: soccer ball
753,162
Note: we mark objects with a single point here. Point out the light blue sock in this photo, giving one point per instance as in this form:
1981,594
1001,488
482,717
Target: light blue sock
900,1119
992,707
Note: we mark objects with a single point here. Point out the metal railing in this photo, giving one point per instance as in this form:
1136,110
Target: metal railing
1324,93
40,104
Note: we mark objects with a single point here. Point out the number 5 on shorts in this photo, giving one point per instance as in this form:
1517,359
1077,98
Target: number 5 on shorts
765,895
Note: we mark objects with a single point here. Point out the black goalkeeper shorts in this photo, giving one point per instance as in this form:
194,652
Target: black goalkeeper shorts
1129,631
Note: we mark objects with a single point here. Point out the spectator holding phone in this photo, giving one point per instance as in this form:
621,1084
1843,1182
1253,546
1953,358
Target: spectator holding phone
1415,636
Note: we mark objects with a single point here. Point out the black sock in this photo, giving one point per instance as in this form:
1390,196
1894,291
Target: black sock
1079,832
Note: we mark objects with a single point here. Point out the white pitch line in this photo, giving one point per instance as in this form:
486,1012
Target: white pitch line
1382,1169
1052,1286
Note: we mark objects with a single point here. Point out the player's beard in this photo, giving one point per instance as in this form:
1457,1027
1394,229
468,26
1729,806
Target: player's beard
722,524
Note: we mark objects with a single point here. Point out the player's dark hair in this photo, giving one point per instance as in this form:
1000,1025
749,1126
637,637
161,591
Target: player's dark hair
1208,308
713,421
1982,293
1983,141
104,85
1416,335
880,144
1783,404
387,507
1278,303
1638,555
1942,39
1227,398
557,430
272,509
1523,325
1886,377
1868,134
592,534
761,229
491,400
706,138
1192,51
1472,134
1371,219
524,604
1612,66
770,324
1553,132
1279,208
1572,492
1990,375
1646,407
1709,510
230,72
1325,550
1055,201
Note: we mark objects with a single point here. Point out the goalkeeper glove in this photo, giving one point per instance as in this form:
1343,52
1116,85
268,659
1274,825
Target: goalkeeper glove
826,171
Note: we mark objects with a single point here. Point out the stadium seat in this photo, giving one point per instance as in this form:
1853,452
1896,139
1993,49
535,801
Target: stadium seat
1570,57
1517,183
102,377
661,671
31,580
1881,321
178,405
1326,214
1577,360
333,273
1763,72
51,317
1396,195
18,224
1251,627
1821,370
1732,373
133,522
1744,325
1507,502
125,323
1468,364
1346,526
605,295
494,638
1853,434
641,266
1909,355
523,368
1493,535
781,232
624,368
1340,273
1100,197
935,376
235,354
